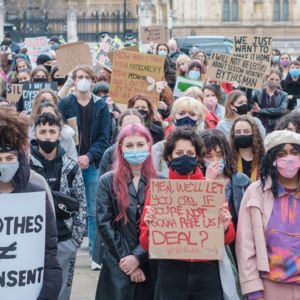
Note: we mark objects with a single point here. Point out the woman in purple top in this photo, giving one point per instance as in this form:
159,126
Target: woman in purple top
268,235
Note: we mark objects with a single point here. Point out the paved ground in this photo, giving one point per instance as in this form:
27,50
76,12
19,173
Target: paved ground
85,280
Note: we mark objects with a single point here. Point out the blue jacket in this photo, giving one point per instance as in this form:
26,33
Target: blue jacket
100,125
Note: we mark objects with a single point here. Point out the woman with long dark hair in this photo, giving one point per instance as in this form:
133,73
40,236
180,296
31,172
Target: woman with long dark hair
247,146
268,243
120,200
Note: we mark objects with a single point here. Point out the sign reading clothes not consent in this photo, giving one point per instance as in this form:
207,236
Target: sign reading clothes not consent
22,245
136,73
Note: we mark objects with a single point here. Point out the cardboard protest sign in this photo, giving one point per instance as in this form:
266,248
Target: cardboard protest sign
31,89
136,73
256,48
35,47
130,48
228,68
70,55
182,84
156,34
186,223
22,245
107,45
13,93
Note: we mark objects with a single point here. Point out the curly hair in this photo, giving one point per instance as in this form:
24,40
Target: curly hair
166,96
213,138
268,170
13,129
258,150
182,133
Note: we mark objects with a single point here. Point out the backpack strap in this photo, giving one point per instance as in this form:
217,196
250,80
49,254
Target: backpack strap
72,174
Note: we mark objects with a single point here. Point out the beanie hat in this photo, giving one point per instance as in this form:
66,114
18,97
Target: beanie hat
279,137
198,64
101,87
54,39
43,58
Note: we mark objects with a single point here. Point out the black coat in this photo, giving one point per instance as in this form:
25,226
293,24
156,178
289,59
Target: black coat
120,240
52,271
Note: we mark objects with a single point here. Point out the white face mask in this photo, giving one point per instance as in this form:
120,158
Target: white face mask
83,85
8,171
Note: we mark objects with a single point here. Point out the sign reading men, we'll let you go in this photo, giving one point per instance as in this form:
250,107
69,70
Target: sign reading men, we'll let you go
186,223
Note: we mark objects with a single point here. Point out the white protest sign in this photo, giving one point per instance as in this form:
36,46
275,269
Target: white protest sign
35,47
107,45
22,245
182,84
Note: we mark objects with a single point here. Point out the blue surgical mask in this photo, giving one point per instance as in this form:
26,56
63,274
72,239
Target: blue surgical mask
294,73
194,75
162,53
135,157
276,58
184,164
185,121
221,162
8,171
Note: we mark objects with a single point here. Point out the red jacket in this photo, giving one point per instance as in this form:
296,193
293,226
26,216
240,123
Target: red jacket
197,175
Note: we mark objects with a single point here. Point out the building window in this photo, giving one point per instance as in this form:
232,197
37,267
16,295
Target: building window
235,10
276,10
230,10
226,11
285,10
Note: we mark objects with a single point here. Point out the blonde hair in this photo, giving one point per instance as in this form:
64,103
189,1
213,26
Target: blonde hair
194,92
182,59
188,104
232,97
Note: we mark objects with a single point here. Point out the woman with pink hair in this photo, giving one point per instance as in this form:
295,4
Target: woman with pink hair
121,196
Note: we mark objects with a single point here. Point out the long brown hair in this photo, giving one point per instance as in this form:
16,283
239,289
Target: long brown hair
133,99
258,143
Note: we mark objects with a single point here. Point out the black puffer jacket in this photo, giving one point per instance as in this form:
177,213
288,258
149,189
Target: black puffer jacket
292,88
52,271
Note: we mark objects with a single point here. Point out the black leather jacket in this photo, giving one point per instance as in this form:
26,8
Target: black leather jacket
120,239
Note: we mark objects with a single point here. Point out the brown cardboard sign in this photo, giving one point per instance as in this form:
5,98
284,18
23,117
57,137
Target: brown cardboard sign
186,221
156,34
14,92
229,68
70,55
130,48
136,73
256,48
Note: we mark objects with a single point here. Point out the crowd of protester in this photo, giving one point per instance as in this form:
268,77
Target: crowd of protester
101,170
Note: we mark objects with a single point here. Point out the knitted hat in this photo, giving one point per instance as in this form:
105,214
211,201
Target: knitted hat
101,86
43,58
279,137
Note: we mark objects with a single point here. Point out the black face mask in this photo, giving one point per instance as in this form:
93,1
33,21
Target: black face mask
143,112
60,80
242,109
40,80
47,146
243,141
184,164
